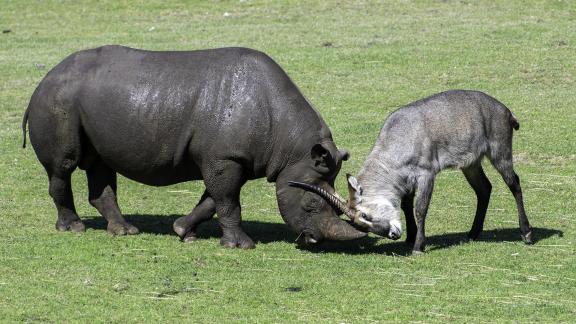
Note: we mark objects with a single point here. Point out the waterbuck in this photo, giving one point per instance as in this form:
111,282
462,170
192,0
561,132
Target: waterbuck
452,129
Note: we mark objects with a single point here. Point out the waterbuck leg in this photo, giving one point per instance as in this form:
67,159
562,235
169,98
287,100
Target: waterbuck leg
407,206
482,187
102,195
185,226
425,185
506,170
223,180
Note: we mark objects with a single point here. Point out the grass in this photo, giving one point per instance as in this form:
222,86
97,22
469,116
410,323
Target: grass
356,61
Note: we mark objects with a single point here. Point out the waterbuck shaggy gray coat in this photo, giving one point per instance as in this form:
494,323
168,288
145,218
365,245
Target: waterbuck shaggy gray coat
225,116
453,129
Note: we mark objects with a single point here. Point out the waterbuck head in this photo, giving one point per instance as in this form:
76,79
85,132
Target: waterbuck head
379,213
376,214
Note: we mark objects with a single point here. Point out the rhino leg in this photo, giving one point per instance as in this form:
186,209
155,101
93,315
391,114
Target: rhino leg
185,226
223,181
60,189
58,148
102,195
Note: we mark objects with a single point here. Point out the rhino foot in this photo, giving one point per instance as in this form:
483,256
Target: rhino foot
72,226
237,239
186,234
116,228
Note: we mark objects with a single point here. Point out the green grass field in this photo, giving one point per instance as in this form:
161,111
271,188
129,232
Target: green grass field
356,61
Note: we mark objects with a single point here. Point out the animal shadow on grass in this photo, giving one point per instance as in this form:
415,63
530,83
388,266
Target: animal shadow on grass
260,232
434,242
264,232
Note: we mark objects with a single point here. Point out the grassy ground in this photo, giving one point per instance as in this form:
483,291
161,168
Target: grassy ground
356,61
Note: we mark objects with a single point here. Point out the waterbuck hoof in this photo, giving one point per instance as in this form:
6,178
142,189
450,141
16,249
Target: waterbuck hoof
75,226
527,238
115,228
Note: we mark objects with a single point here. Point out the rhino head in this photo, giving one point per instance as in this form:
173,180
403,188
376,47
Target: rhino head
307,212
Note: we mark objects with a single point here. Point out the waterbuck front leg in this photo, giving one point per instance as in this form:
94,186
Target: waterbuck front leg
223,180
425,185
407,206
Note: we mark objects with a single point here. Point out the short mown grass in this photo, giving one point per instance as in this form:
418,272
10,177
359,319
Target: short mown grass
356,61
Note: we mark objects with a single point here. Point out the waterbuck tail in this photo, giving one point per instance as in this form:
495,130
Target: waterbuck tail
514,122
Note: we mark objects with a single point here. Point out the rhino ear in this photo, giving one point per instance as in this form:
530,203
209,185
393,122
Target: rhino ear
322,158
344,155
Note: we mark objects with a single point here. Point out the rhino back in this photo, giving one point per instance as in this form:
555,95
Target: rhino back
160,116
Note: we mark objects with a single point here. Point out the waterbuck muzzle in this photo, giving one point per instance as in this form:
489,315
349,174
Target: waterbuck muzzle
336,202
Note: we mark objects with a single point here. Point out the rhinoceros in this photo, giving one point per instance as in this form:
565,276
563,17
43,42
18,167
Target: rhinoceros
225,115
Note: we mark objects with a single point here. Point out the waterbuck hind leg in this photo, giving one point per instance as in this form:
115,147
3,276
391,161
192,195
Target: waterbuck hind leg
424,189
503,163
185,226
407,206
482,187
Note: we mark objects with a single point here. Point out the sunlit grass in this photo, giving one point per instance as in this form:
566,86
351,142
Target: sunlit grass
356,61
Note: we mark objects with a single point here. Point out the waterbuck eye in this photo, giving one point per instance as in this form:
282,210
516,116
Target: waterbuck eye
363,215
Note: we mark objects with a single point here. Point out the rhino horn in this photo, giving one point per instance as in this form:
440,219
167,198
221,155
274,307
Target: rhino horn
335,228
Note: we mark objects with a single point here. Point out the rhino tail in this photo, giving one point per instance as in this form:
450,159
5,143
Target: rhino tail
24,123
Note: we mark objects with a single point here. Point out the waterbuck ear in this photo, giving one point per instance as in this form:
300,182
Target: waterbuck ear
354,190
322,158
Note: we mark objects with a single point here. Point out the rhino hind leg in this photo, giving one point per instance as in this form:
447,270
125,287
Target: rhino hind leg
57,146
102,195
223,181
185,226
60,189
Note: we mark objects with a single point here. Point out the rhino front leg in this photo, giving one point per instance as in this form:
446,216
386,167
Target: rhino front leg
102,195
223,181
185,226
